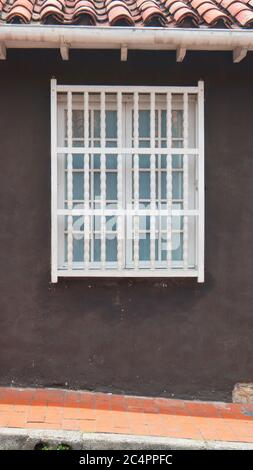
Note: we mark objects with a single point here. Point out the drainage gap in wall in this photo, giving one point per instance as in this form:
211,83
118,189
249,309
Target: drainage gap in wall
46,446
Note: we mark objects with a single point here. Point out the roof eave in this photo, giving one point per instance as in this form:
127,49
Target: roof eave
81,37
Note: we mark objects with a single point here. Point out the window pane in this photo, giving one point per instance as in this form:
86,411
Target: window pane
77,117
111,249
177,161
163,124
111,162
96,180
177,246
78,185
96,162
111,124
144,185
144,161
78,221
177,185
144,222
111,223
163,193
96,249
96,129
144,123
78,161
177,123
111,186
78,248
144,247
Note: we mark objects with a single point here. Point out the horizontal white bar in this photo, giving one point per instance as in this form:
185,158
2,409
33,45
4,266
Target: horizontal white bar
177,272
128,150
126,89
127,212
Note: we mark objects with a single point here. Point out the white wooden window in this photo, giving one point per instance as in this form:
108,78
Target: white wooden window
127,181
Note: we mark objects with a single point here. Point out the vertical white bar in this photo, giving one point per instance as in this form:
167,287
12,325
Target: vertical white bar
185,180
120,183
201,184
169,180
70,183
86,183
152,180
54,221
136,181
103,182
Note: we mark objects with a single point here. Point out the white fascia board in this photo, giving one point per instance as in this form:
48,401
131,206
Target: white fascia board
81,37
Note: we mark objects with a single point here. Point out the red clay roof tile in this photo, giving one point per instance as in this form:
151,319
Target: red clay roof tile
245,17
233,13
214,15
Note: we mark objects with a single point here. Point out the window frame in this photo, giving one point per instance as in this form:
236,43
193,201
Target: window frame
56,128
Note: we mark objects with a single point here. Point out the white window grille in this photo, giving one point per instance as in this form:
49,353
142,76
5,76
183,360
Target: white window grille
127,181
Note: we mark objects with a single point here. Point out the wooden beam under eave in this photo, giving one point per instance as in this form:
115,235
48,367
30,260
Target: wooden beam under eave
64,50
181,51
123,53
2,51
239,53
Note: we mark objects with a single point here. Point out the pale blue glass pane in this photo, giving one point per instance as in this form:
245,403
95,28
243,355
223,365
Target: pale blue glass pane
163,184
78,143
177,222
111,223
78,185
78,223
144,123
164,222
156,250
144,143
111,143
111,186
163,161
177,185
177,143
97,223
78,248
177,246
177,161
96,182
144,161
111,124
111,249
78,161
96,161
144,222
97,249
177,123
157,189
164,247
163,124
77,120
144,247
96,123
111,162
144,185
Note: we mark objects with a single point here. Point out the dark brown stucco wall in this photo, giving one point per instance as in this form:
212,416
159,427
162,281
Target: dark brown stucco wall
153,337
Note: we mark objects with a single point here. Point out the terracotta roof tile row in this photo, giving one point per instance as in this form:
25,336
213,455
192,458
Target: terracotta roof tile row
167,13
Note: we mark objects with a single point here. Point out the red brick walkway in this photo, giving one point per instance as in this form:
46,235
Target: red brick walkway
99,412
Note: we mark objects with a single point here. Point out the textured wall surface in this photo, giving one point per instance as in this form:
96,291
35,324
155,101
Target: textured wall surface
163,337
